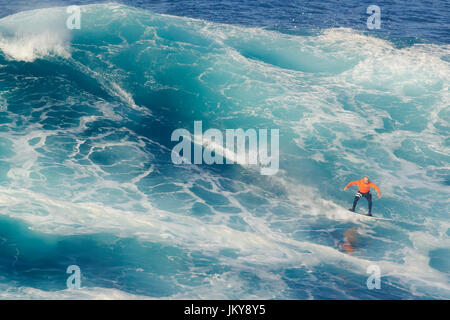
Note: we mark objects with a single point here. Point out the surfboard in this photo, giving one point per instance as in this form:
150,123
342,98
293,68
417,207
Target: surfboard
371,217
363,214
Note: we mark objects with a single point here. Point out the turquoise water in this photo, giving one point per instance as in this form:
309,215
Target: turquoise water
86,176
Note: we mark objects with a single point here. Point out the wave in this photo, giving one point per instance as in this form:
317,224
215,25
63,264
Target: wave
85,149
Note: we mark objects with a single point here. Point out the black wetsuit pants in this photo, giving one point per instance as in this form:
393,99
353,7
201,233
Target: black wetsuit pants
366,195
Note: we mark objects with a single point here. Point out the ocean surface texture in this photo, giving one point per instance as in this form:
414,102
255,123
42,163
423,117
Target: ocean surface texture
86,176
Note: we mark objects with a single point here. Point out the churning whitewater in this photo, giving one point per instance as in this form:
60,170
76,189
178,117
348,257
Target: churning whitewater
87,178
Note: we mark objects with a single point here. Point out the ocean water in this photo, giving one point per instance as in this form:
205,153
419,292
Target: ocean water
86,176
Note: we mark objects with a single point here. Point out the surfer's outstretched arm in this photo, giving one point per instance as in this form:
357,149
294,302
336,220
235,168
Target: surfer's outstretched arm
373,185
351,184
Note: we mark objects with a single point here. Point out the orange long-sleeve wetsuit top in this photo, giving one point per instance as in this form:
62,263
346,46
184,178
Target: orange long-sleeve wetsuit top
363,187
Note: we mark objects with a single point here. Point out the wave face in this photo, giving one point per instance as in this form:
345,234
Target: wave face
86,176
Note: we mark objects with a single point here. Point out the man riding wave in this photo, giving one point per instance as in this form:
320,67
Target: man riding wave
364,186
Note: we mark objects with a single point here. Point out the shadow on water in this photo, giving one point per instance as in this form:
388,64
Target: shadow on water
350,240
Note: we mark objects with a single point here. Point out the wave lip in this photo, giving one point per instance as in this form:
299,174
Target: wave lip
29,35
29,47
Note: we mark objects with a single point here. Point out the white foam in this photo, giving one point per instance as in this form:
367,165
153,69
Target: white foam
29,35
86,293
29,47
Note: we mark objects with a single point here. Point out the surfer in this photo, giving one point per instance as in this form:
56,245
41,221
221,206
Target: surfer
364,186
